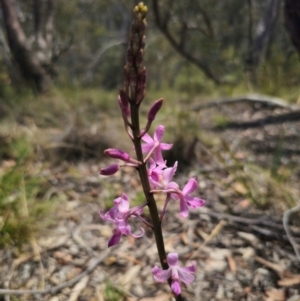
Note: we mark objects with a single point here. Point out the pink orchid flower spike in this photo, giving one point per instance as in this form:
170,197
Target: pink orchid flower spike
175,272
155,146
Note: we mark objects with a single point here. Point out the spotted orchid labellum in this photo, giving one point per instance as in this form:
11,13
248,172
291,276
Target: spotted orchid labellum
155,176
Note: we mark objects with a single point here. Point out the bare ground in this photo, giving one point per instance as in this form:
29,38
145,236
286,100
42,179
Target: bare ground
249,178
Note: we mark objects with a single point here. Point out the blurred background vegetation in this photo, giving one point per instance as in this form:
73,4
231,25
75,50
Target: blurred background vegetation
61,67
192,45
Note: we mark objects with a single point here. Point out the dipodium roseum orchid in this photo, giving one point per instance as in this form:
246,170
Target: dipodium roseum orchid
161,178
175,273
186,200
154,145
154,174
119,215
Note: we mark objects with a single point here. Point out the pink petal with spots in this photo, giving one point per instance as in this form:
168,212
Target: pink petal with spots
159,133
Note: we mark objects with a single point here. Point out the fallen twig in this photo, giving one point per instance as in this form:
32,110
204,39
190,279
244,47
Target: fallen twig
269,101
244,220
285,117
255,224
275,267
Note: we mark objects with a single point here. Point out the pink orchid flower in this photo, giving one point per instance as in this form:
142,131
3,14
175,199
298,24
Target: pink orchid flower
155,145
119,215
186,200
175,272
161,178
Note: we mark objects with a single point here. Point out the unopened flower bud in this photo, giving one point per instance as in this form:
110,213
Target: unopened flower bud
129,57
135,43
117,154
140,11
141,6
154,109
140,94
132,78
143,26
110,170
143,42
126,76
142,77
139,58
123,102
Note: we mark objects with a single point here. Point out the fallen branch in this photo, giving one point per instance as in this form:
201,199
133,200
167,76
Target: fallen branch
286,117
285,221
245,220
275,267
256,224
265,100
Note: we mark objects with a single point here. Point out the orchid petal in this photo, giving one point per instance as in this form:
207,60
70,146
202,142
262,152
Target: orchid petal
168,173
184,209
166,146
147,138
136,210
185,276
175,286
158,156
159,133
122,203
190,268
174,186
161,275
172,259
152,164
147,148
196,202
137,235
190,186
115,239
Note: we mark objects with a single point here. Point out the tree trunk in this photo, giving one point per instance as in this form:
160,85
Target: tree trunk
31,67
292,21
264,31
263,35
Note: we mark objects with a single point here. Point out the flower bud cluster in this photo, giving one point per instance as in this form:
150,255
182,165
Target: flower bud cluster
135,74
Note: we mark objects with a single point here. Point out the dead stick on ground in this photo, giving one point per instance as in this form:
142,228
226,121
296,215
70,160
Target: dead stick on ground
273,102
285,221
213,234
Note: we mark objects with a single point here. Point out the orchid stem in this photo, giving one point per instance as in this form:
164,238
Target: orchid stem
135,83
165,207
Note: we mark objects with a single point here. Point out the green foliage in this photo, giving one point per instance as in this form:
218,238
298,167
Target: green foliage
23,211
220,120
112,293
